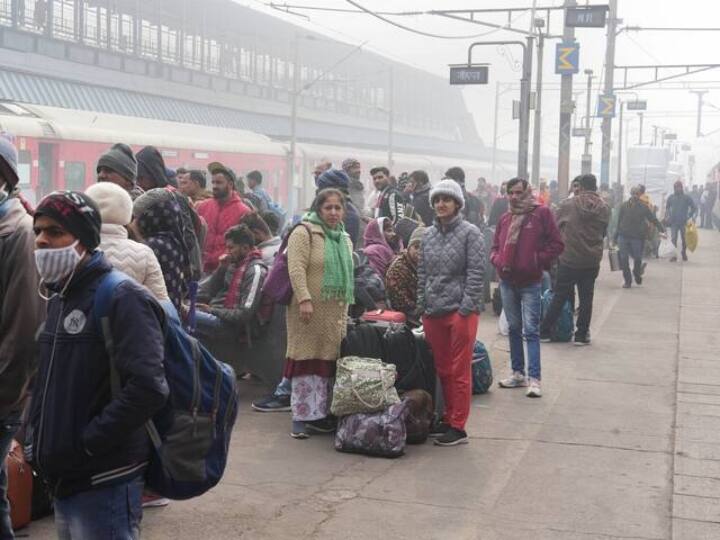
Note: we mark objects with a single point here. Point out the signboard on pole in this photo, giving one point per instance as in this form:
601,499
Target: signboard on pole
586,17
670,137
636,105
469,74
580,132
567,58
606,106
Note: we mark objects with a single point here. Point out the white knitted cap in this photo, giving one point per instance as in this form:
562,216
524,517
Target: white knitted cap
114,202
448,187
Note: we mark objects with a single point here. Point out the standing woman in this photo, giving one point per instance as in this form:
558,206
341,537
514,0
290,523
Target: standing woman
450,289
321,274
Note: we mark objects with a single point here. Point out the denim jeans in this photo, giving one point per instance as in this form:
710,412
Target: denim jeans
522,309
630,247
206,325
8,427
567,279
674,231
101,513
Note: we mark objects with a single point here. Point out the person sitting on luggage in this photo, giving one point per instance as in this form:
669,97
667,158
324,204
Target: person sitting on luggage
229,299
381,244
266,242
401,279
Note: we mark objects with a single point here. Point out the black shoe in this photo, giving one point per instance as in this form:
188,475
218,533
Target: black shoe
322,426
638,279
438,430
643,266
545,337
627,285
453,437
684,257
582,340
272,403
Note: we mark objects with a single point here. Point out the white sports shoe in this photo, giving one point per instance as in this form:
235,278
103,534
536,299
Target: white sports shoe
534,389
516,380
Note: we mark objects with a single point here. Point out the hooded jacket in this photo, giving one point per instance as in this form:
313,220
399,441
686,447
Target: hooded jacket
679,209
22,310
537,247
390,204
583,222
451,269
219,216
421,204
82,437
150,164
379,253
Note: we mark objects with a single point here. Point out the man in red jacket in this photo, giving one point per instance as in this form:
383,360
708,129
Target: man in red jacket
223,211
526,242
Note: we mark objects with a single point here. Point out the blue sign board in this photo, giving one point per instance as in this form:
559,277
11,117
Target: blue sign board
567,58
606,106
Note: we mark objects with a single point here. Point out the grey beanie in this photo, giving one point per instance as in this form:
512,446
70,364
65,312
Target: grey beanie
120,159
8,162
450,188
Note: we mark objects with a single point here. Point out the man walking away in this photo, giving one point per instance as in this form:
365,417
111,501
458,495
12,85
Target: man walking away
474,212
526,242
89,441
21,313
390,203
679,209
633,221
583,221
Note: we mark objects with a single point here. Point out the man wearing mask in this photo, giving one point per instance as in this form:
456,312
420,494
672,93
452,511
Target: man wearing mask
21,313
223,211
583,221
390,202
119,166
679,209
89,442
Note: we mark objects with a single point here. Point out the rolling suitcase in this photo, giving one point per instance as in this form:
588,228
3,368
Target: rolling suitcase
384,317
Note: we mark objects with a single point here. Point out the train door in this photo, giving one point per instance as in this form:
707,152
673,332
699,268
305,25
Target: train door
47,166
25,183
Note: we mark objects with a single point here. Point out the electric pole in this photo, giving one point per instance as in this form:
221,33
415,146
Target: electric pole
700,94
620,144
567,106
524,135
641,116
537,126
391,119
608,90
587,156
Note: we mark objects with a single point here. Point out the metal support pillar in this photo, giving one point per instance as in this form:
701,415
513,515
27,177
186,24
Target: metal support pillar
537,126
700,94
620,144
524,131
587,156
566,111
608,90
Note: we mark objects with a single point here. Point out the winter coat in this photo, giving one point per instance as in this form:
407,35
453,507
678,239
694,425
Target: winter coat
22,310
352,222
473,211
133,258
421,204
499,207
390,204
269,249
320,338
82,437
538,245
219,218
679,209
401,285
451,269
633,220
583,221
378,251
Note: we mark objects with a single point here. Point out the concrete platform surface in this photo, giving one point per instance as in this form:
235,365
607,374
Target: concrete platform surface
624,444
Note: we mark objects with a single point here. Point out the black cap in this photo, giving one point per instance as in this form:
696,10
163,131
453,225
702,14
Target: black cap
75,212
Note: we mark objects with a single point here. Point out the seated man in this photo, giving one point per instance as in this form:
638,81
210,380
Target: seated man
229,299
401,279
266,242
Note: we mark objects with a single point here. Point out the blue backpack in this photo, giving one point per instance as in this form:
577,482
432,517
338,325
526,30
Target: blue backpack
482,376
563,329
191,433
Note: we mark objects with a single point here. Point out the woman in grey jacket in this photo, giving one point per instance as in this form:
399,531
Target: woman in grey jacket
450,288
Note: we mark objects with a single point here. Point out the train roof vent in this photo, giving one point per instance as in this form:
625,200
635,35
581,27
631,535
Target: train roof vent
48,130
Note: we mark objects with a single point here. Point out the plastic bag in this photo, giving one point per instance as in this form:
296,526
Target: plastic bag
503,326
666,249
691,236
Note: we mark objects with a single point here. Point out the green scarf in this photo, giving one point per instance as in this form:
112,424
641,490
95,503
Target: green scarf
338,274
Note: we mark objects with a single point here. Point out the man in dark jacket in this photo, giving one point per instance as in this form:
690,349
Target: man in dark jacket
420,197
230,298
119,166
390,202
526,242
499,206
583,220
473,211
338,179
678,210
21,313
89,442
634,218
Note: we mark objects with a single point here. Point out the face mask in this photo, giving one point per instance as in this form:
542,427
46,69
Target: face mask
55,264
4,195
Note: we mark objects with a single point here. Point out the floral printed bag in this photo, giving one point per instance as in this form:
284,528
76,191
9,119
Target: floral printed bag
363,385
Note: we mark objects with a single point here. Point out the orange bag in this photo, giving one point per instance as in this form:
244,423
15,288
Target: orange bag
20,484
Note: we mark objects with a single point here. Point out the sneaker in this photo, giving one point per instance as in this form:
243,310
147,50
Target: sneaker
151,500
453,437
272,403
516,380
545,337
627,285
322,426
299,431
438,430
581,341
638,279
534,389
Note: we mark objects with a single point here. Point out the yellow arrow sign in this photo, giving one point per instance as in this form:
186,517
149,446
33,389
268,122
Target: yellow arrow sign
608,106
563,61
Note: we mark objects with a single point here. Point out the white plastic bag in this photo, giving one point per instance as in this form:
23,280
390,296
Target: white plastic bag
503,326
666,249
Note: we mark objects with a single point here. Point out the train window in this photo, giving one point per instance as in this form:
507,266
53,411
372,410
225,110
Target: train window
75,175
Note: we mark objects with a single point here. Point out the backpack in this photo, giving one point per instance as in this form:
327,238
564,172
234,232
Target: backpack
482,377
563,329
190,224
277,286
191,433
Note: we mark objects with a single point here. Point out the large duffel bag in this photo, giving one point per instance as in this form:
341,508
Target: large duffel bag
363,385
419,415
482,377
365,340
412,358
378,434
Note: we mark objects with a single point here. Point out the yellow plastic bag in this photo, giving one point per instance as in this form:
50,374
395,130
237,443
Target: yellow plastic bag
691,236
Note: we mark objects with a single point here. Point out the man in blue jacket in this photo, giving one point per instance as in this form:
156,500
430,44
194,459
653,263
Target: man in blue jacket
89,442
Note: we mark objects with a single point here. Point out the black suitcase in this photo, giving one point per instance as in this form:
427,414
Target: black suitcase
413,359
365,340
